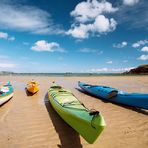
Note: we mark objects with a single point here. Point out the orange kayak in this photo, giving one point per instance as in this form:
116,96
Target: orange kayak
33,87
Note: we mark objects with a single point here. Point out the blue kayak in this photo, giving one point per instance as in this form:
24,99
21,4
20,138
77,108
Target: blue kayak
138,100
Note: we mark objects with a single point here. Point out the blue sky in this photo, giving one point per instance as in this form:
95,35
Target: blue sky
73,36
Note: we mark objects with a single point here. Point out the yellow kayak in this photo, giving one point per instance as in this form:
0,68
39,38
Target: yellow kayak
33,87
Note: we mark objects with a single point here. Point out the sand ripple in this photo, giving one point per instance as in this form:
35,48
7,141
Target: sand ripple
30,121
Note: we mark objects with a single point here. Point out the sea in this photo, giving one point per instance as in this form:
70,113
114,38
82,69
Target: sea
68,74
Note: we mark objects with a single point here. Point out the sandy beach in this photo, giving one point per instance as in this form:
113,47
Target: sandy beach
30,121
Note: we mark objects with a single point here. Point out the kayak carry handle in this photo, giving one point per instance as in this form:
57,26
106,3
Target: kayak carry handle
59,87
92,113
112,94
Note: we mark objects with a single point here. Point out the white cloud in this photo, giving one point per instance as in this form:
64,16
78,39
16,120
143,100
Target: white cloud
7,65
143,57
120,45
130,2
139,43
26,18
81,31
43,45
109,62
100,25
90,19
145,49
103,24
4,35
112,70
90,9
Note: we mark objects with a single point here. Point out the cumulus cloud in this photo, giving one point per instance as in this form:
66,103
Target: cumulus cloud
88,10
4,35
120,45
90,19
112,70
43,45
99,26
103,24
26,18
81,31
145,49
139,43
143,57
130,2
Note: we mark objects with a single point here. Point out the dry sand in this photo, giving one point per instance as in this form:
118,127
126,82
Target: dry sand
30,121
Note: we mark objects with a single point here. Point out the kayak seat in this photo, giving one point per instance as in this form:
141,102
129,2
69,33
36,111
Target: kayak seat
33,82
58,87
112,94
62,91
105,87
1,92
87,85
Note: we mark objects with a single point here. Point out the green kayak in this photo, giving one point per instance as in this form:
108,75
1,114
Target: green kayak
88,123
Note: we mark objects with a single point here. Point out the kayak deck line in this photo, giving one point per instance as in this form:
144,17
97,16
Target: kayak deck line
70,104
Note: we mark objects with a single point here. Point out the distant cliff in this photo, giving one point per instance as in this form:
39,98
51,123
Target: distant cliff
142,69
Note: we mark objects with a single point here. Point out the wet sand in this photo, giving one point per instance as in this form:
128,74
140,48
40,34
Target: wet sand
30,121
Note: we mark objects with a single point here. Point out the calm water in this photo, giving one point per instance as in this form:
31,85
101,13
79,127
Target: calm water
67,74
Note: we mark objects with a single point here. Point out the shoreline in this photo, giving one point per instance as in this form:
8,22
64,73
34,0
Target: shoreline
72,74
